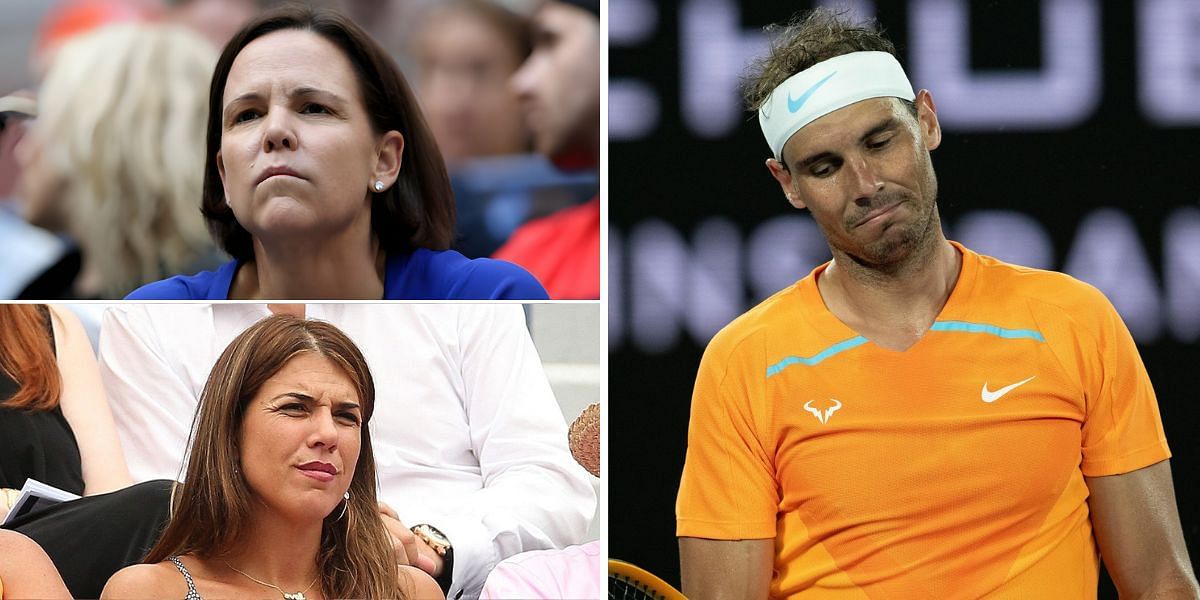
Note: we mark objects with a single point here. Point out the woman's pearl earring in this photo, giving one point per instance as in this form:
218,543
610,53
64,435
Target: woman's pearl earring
378,186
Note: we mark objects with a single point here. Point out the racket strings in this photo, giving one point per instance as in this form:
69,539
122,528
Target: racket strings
621,587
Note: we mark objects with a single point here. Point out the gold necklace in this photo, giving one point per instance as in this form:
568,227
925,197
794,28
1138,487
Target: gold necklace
286,596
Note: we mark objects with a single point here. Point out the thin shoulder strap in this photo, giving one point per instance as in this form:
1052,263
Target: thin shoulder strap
192,594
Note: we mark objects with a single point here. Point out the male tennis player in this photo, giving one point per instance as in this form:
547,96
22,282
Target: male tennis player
912,419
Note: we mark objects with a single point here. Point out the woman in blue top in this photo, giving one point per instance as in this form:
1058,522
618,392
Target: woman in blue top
327,183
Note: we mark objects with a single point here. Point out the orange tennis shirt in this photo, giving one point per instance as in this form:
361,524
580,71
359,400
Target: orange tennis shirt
953,469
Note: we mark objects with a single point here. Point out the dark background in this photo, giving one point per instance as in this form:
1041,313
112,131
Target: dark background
687,208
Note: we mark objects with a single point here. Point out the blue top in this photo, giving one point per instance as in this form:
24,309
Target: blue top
420,275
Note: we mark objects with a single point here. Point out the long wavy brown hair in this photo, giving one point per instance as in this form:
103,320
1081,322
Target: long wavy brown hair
212,511
27,356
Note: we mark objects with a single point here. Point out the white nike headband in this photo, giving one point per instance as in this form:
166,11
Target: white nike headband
826,87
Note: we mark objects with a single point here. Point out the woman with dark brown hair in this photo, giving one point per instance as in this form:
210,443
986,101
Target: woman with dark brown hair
55,423
280,485
324,181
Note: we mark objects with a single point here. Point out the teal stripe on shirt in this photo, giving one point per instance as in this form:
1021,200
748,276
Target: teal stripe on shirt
947,326
837,348
1008,334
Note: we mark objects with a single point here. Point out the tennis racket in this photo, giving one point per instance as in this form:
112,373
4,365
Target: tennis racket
630,582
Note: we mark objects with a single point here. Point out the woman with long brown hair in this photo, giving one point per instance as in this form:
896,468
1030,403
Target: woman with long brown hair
55,423
280,482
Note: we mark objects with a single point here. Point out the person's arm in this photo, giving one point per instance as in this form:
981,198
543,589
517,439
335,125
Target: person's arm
535,495
86,407
418,585
410,549
727,509
1141,541
1124,457
26,570
721,569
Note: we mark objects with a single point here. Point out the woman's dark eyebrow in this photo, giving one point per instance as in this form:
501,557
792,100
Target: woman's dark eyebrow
312,91
246,97
297,92
301,396
307,399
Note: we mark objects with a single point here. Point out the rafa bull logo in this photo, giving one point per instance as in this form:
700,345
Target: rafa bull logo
823,415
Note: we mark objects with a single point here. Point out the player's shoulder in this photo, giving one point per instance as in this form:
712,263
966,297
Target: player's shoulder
776,315
158,580
1037,283
1048,293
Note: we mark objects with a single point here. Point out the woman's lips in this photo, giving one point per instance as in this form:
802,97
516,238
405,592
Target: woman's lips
321,471
318,475
275,171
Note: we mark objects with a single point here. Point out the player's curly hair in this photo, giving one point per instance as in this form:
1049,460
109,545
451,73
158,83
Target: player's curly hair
809,38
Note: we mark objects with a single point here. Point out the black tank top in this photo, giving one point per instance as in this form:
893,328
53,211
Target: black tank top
37,444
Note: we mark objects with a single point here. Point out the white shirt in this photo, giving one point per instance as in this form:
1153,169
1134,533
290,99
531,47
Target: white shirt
467,434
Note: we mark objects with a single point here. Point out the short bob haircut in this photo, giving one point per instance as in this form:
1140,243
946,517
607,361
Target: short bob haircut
418,211
213,507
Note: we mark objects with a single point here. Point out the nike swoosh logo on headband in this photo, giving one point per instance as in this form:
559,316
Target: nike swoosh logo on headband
794,104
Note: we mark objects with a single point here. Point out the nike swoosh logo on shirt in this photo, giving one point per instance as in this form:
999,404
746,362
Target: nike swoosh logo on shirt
794,104
989,396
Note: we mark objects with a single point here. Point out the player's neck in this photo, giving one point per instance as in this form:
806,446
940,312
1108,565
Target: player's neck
892,307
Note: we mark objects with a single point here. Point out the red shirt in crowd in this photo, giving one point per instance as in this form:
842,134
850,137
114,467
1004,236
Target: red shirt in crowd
562,250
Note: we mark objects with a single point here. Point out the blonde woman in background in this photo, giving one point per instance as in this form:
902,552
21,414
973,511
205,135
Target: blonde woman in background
115,159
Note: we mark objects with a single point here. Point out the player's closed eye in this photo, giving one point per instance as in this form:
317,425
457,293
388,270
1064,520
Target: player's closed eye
879,142
824,169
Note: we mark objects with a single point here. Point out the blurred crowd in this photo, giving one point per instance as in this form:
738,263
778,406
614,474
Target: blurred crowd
102,158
